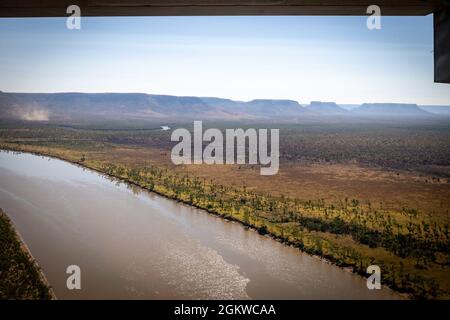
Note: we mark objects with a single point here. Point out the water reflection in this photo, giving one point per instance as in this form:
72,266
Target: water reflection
131,243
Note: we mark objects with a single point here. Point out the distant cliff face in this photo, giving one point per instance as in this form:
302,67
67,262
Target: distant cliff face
326,108
56,106
131,106
390,109
280,108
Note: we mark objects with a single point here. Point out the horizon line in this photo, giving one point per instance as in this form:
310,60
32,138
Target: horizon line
216,97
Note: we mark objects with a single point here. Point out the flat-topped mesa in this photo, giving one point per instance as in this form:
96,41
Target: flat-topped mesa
72,106
274,107
391,110
328,108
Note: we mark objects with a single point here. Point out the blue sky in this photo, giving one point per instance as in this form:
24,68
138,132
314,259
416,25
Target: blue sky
300,58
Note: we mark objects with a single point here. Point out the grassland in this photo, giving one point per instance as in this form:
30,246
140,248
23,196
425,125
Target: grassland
20,277
332,198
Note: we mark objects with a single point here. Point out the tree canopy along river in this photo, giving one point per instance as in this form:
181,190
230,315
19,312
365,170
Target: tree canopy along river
133,244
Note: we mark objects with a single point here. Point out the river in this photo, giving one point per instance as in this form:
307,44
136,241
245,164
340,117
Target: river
134,244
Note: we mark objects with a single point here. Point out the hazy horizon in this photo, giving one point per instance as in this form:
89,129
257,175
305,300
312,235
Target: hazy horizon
344,105
240,58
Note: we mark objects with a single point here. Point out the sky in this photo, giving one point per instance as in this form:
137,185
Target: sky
303,58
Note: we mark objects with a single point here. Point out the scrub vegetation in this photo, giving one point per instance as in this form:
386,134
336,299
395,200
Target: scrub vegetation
354,194
20,277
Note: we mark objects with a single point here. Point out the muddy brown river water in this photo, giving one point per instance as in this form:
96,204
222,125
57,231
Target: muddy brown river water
133,244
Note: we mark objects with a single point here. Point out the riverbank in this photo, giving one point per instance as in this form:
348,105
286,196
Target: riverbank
20,275
161,248
307,242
